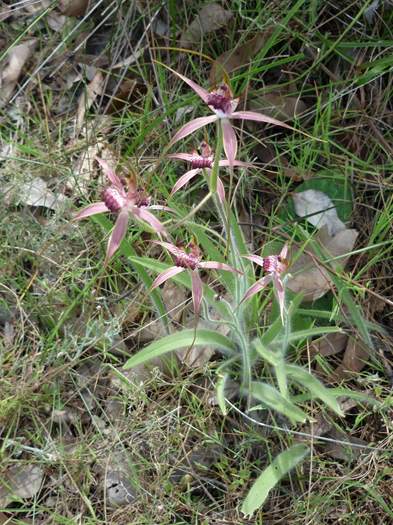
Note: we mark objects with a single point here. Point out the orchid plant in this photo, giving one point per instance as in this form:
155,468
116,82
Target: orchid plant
246,345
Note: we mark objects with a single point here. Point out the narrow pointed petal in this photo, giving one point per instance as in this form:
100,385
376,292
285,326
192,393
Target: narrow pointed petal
148,217
92,209
158,207
255,258
279,289
257,287
174,250
165,275
238,163
284,251
110,174
192,126
197,291
189,157
215,265
199,90
118,234
184,179
229,140
259,117
234,104
220,190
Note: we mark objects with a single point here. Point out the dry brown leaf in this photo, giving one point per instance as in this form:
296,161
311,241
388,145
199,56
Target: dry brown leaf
92,91
210,18
277,105
198,356
5,11
115,473
355,359
174,298
20,481
56,21
73,7
342,451
238,57
318,209
17,57
330,344
32,8
83,170
309,277
33,191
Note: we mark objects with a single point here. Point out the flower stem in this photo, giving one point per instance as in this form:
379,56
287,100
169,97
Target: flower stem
217,156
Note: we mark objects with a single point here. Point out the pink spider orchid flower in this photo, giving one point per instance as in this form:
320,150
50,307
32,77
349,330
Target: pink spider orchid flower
191,261
204,160
125,202
275,266
223,105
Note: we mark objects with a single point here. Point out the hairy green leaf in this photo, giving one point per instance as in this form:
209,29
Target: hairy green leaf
272,474
317,389
275,401
185,338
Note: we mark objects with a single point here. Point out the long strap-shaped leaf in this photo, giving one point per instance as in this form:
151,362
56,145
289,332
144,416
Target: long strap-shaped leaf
270,397
181,339
317,389
272,474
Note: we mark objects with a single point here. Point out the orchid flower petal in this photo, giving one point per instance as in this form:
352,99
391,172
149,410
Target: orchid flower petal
229,140
158,207
240,164
189,157
215,265
192,126
284,251
165,275
255,258
234,104
118,234
110,174
259,117
199,90
257,287
174,250
92,209
197,291
279,289
184,179
220,190
145,215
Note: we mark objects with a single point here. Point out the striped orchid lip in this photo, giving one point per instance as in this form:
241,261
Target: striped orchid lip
189,260
221,101
204,159
223,105
275,266
126,203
